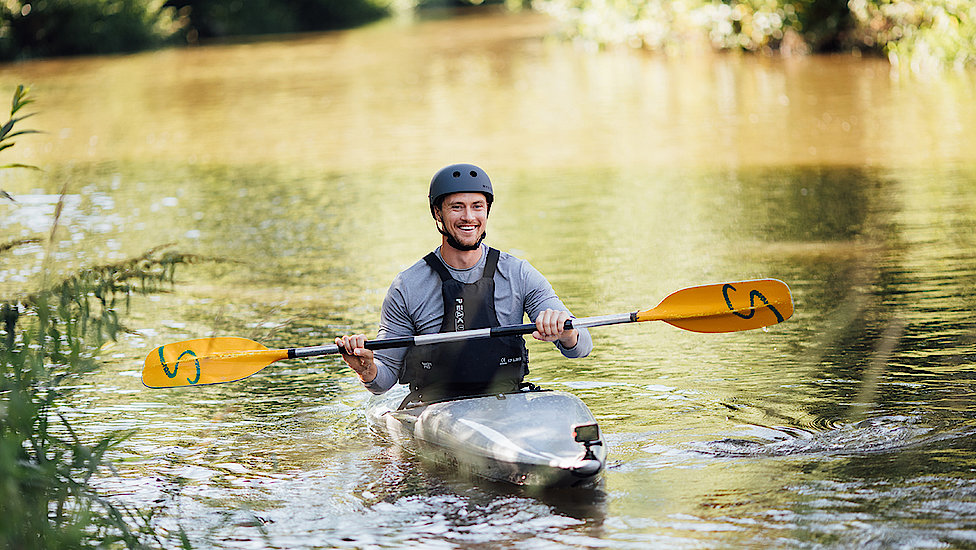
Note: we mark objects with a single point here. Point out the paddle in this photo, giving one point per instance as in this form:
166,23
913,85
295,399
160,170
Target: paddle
721,307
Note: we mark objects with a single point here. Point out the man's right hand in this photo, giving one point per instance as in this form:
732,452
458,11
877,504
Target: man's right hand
355,354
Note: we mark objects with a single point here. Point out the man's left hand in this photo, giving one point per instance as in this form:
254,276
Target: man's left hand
550,326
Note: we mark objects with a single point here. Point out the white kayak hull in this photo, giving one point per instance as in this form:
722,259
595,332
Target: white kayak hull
524,438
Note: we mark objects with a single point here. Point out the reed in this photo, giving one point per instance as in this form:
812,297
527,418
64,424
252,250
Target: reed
49,338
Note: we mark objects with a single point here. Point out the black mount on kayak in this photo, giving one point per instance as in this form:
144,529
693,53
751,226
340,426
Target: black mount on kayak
588,435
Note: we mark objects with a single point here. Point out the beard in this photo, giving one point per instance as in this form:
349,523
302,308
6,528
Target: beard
454,243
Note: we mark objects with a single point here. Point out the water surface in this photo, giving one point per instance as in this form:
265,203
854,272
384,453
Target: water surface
623,177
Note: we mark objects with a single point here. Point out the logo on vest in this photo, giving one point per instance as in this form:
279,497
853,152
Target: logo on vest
459,314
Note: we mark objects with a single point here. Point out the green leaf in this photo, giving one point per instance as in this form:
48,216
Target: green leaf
10,125
5,129
20,105
20,99
22,132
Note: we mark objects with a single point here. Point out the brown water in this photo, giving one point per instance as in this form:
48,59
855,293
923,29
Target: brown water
622,176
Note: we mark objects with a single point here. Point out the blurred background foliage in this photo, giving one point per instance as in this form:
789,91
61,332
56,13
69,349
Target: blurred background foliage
918,34
197,19
921,34
44,28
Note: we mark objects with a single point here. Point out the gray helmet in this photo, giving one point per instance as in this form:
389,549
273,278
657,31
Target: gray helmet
459,178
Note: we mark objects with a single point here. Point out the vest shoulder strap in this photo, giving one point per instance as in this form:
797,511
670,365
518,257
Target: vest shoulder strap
434,262
491,263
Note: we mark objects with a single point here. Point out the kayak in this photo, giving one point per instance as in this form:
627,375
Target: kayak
538,438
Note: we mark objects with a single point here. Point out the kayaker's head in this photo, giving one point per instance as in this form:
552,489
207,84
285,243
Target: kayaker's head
460,199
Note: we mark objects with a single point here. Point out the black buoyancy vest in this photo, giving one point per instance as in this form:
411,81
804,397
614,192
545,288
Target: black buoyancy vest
471,367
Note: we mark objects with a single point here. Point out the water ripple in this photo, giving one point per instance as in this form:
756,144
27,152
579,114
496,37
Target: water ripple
876,435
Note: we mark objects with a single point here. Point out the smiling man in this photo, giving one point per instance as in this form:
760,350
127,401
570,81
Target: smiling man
462,285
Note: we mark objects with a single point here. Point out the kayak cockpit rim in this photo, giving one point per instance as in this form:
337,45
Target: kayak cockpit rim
526,387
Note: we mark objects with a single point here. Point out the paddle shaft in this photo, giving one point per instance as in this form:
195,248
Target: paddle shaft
445,337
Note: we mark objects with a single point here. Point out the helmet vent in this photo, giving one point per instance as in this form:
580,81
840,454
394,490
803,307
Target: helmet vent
474,174
456,174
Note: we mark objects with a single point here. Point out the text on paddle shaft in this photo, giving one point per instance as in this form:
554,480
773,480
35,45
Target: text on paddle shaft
176,365
753,296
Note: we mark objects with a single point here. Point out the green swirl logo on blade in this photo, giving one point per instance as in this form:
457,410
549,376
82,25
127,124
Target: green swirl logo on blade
753,295
176,366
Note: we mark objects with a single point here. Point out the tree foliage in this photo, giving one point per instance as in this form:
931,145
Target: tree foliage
220,18
920,34
44,28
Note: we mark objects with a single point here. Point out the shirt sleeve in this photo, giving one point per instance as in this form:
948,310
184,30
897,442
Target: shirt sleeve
394,322
539,296
385,378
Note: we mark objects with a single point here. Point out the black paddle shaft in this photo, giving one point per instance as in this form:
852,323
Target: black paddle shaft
443,337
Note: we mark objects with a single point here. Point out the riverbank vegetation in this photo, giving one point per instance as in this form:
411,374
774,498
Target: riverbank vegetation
44,28
50,336
918,34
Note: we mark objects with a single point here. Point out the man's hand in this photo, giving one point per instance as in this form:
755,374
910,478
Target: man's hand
355,354
550,326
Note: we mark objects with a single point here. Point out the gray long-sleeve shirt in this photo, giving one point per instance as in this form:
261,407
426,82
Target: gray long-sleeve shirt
414,305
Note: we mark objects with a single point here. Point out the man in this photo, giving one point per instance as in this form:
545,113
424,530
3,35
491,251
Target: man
461,285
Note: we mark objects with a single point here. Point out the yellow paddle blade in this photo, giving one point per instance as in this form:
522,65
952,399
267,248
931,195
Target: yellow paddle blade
206,361
725,307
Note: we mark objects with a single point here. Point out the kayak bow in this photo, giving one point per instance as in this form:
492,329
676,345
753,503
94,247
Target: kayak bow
532,438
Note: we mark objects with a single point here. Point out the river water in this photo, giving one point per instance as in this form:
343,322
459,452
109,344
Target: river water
622,176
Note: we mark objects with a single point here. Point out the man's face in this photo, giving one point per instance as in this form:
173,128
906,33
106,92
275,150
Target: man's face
464,216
